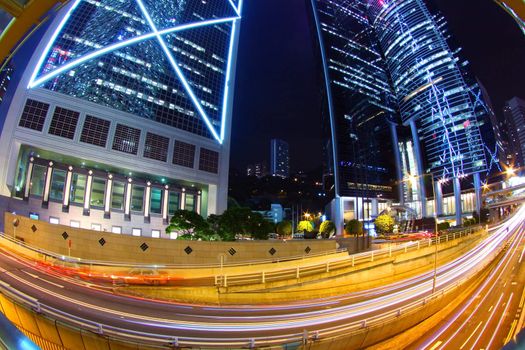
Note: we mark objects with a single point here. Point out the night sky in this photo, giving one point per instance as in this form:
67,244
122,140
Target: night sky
277,92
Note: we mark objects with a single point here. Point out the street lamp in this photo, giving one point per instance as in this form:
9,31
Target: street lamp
413,180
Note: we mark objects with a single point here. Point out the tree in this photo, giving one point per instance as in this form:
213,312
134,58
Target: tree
188,224
305,226
243,222
354,227
284,228
327,229
384,224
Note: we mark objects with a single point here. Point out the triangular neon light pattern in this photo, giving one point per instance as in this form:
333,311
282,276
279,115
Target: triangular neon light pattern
148,57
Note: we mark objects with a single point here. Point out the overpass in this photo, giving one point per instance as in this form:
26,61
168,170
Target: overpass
27,17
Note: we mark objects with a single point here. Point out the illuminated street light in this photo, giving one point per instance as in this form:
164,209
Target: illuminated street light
510,171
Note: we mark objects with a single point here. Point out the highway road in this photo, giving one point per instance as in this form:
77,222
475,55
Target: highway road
493,315
264,323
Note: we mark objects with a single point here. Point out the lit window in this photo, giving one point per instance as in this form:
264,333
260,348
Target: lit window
74,223
96,227
137,232
155,233
116,229
54,221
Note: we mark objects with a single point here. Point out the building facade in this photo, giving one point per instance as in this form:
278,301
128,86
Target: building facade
279,158
257,169
434,99
514,114
124,115
361,108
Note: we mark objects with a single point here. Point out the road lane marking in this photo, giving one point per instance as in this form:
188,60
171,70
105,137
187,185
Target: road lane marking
488,321
500,321
43,280
491,308
436,345
521,256
522,316
512,327
471,335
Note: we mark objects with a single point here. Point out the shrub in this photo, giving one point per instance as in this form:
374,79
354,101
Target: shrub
384,223
354,227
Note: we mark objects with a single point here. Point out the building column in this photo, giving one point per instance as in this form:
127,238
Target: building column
47,185
29,174
198,203
375,207
182,204
67,190
165,204
107,196
477,192
127,202
87,194
399,164
457,197
147,201
338,216
419,161
438,194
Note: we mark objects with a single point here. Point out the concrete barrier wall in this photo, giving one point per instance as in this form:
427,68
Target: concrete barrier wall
105,246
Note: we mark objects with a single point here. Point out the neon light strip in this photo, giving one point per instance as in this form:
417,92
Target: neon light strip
51,41
235,7
227,80
179,72
33,83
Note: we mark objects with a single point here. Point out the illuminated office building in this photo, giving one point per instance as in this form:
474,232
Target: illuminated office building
434,99
124,115
514,114
400,105
360,110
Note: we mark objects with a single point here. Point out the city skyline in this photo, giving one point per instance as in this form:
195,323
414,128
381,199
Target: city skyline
299,99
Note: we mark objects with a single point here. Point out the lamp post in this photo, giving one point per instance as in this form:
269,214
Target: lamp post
413,180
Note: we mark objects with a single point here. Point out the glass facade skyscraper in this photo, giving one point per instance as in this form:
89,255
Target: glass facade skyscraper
124,112
388,67
360,106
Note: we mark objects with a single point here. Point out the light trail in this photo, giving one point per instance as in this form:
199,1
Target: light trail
494,275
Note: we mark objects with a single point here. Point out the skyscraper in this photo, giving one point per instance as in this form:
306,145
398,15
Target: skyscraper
514,113
360,108
125,113
279,158
388,67
433,96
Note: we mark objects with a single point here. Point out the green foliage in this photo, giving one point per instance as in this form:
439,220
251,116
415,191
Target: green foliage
305,226
188,224
284,228
384,224
354,227
327,229
443,226
242,221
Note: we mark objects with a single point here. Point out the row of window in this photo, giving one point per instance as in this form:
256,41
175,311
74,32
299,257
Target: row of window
95,131
77,193
98,227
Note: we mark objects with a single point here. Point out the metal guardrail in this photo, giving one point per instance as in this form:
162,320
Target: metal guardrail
162,341
225,280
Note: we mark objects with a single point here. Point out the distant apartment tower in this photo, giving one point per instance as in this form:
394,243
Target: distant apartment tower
514,114
123,115
257,169
279,158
